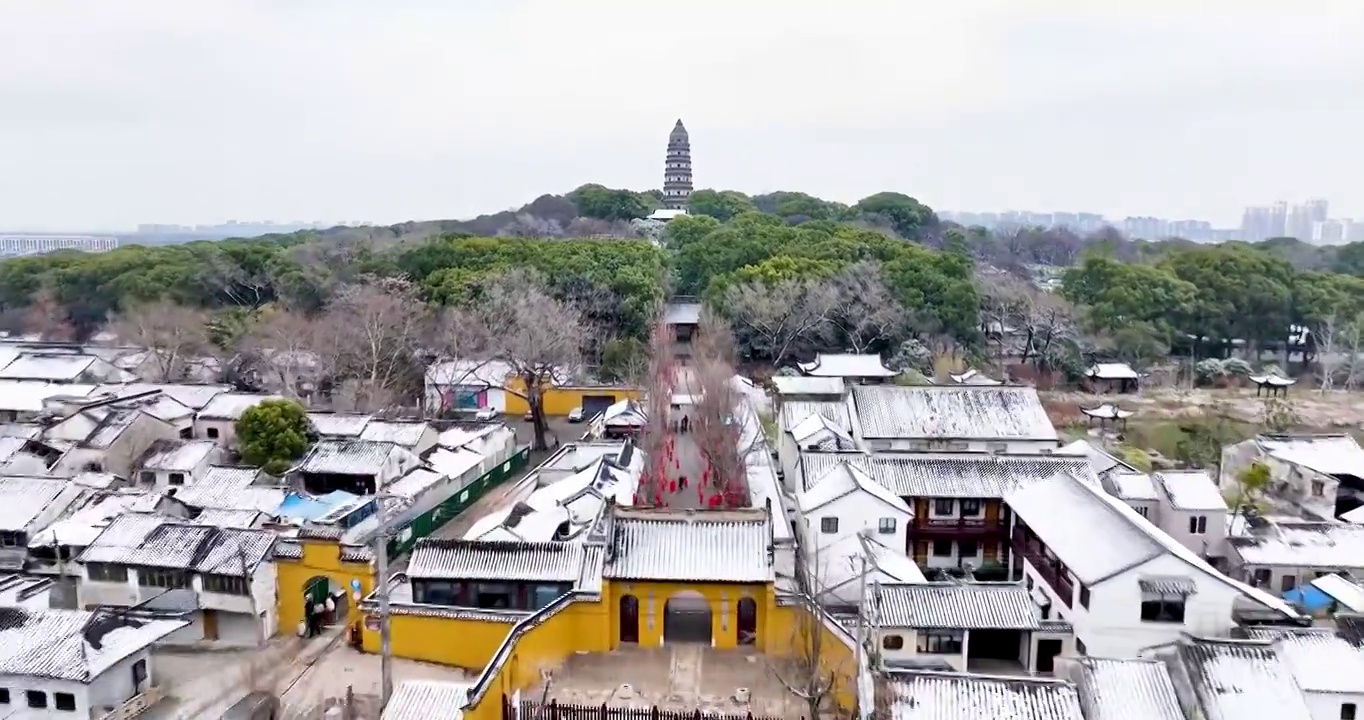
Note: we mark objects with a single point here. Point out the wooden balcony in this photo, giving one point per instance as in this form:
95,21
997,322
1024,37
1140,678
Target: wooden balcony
951,527
1049,570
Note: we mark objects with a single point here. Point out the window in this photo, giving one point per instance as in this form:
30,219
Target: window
1028,580
36,698
1162,608
942,548
162,578
886,526
187,433
1198,525
1347,711
212,433
970,508
104,572
1079,646
435,592
1318,488
940,642
998,447
1084,596
177,478
1288,583
148,477
1141,510
944,506
828,525
64,701
4,696
543,595
1261,578
967,548
228,584
893,642
13,539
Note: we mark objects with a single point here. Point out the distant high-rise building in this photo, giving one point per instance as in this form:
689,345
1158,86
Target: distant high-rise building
677,169
22,244
1264,222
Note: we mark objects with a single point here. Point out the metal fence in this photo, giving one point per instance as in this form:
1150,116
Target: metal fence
419,526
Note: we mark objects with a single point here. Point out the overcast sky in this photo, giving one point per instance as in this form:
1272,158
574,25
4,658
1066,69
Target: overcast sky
118,112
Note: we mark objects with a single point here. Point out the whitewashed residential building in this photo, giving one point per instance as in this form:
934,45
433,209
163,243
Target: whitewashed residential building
356,466
845,501
847,572
1306,471
28,506
814,433
234,488
339,425
848,367
1137,489
1193,512
222,579
466,386
953,418
177,463
1122,582
105,436
218,420
993,628
74,664
1279,554
24,401
53,550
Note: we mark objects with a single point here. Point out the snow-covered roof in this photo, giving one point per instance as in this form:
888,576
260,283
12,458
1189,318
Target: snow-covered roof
1112,371
1136,486
405,434
1321,661
1302,544
793,412
961,475
194,397
1101,460
353,457
28,395
73,644
952,412
1355,517
1239,679
625,413
1348,594
957,605
960,696
1107,411
329,424
1067,514
427,700
469,373
715,546
218,517
807,385
230,406
846,365
1125,689
232,488
820,433
177,455
1191,490
574,563
843,480
454,463
684,312
1328,454
82,526
23,499
838,566
415,483
157,541
973,377
54,367
1272,380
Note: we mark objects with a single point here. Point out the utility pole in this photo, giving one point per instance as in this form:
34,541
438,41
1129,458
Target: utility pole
862,609
385,642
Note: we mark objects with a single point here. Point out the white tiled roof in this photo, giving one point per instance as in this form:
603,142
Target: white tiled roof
231,488
339,424
28,396
47,366
482,560
843,480
1100,459
714,546
230,406
1112,371
194,397
1134,485
1191,490
1126,690
406,434
953,696
966,475
228,518
1303,544
807,385
1329,454
681,313
72,644
23,499
795,411
157,541
346,457
1348,594
416,482
1322,662
427,700
177,454
845,365
971,606
820,433
1235,680
952,412
85,523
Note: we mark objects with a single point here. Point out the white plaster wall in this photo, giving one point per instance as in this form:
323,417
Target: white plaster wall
1326,706
18,707
227,430
911,648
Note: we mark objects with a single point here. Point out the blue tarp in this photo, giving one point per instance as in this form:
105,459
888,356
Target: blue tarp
311,508
1309,597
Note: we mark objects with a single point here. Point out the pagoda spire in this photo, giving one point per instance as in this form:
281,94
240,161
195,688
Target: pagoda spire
677,169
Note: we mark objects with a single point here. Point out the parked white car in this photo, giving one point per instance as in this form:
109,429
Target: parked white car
576,414
485,414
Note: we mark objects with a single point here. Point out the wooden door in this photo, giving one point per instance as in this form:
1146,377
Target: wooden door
210,624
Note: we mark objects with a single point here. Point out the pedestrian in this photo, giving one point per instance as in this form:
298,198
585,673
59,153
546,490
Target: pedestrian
318,609
308,621
682,483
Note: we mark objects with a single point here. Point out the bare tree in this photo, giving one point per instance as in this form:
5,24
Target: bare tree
249,288
866,314
1330,360
375,330
720,428
776,319
538,337
1351,344
811,673
173,335
660,379
291,350
1050,321
47,317
1005,304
